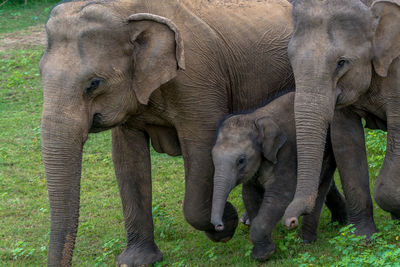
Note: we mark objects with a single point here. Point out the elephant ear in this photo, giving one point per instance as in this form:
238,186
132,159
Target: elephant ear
387,35
158,53
272,138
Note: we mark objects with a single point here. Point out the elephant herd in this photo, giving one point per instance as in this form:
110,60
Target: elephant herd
169,72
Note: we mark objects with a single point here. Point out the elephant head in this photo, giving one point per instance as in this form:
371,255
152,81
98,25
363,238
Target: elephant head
241,145
100,67
338,47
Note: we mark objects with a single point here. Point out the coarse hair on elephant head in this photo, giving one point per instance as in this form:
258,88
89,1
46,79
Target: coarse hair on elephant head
99,68
337,51
241,144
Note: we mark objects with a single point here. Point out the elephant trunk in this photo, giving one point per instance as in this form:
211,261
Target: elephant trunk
62,143
313,113
223,185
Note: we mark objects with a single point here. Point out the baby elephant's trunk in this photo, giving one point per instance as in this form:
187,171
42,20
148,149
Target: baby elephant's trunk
222,187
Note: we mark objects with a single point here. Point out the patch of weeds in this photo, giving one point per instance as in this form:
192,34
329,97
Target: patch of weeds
19,74
375,143
288,244
165,223
210,254
350,250
22,251
111,249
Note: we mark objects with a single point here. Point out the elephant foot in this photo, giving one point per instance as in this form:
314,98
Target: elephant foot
245,219
230,220
365,229
309,237
145,255
263,250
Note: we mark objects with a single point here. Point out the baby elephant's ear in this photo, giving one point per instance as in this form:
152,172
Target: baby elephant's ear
272,138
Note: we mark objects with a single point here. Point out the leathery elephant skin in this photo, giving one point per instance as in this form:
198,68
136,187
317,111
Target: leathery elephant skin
258,150
165,71
345,59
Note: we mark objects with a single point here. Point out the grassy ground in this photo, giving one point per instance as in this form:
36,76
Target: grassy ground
24,208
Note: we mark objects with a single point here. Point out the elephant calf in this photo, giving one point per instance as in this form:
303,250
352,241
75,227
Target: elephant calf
258,149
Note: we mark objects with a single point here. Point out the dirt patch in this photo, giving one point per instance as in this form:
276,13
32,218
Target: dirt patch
35,35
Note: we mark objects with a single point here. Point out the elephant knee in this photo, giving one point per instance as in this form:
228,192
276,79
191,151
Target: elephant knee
259,232
387,196
197,218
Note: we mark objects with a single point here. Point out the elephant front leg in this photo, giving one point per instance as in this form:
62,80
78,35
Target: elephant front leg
131,158
387,187
270,212
347,134
199,171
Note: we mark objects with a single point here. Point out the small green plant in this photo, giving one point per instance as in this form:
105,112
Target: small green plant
287,245
110,249
22,251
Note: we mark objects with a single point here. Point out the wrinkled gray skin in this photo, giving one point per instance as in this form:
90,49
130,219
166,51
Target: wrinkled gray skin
168,76
258,149
345,58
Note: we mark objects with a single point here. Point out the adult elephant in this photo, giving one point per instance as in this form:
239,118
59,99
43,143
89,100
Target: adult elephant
152,70
345,58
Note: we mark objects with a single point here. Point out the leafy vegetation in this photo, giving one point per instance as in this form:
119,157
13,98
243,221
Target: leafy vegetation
24,209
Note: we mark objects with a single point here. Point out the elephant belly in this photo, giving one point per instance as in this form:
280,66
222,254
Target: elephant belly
164,139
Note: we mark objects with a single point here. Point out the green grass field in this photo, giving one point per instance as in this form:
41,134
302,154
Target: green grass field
24,208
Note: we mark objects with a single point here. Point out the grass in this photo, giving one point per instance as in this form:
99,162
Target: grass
15,16
24,209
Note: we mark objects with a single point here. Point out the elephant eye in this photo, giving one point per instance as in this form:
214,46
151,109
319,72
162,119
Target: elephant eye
242,160
341,63
94,84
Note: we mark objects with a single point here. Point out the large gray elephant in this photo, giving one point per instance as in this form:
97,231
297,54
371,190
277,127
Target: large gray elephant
345,58
164,71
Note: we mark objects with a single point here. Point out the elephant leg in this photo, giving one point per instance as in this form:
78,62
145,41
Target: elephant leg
199,171
131,158
347,135
311,221
387,187
269,214
336,204
252,195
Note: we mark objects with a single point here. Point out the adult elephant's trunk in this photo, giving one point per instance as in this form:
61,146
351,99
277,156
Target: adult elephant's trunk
62,141
313,113
223,185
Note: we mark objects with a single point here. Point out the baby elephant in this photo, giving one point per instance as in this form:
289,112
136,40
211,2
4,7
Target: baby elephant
258,149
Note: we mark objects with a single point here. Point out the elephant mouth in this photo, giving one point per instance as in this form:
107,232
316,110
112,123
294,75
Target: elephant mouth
98,124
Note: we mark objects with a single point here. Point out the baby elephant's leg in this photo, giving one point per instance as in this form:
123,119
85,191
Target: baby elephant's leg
274,201
336,204
252,195
271,211
311,221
